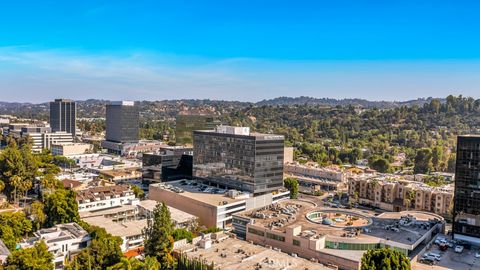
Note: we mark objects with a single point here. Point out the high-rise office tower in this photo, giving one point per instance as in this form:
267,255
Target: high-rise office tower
466,223
185,124
122,122
235,158
63,115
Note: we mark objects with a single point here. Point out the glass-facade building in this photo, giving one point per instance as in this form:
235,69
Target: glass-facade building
186,124
466,225
63,115
122,122
248,162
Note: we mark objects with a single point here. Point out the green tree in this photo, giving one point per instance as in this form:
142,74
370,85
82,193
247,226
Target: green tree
382,165
423,161
158,237
139,193
61,207
384,259
128,264
151,263
104,251
179,234
36,258
14,226
438,162
292,185
37,215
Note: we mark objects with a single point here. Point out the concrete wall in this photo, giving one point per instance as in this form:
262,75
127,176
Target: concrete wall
206,213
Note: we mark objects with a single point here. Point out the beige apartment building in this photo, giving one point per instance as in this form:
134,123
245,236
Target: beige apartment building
400,195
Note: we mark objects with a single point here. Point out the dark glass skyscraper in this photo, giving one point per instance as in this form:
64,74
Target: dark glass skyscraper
235,158
466,225
186,124
122,122
63,115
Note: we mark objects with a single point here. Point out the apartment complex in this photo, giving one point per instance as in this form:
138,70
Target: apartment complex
466,225
98,198
233,157
398,195
63,116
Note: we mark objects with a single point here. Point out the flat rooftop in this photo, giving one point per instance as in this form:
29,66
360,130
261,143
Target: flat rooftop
292,213
177,215
200,192
233,254
124,229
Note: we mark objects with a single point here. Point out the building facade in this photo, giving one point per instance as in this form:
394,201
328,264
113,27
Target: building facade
400,195
68,149
122,122
99,198
172,163
185,124
63,115
62,240
235,158
466,225
43,138
212,206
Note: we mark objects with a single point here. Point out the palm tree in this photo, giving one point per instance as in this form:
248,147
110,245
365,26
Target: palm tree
151,263
15,181
128,264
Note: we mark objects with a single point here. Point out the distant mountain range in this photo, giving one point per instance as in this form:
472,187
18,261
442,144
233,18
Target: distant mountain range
170,108
343,102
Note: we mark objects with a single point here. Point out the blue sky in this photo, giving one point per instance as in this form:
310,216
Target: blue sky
238,50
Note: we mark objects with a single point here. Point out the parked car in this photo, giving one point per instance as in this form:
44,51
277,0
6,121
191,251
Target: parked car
459,249
477,254
436,256
427,260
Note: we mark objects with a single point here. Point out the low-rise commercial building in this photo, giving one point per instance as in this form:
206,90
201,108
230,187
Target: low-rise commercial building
334,236
234,254
41,137
170,163
69,149
101,162
63,241
328,178
213,206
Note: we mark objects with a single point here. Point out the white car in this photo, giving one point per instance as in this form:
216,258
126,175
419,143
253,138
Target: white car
459,249
439,240
477,255
435,256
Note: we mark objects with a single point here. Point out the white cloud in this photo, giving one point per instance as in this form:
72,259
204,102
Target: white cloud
37,75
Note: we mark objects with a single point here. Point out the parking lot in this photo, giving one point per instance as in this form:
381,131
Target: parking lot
452,260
